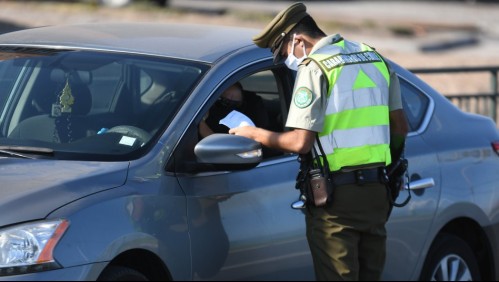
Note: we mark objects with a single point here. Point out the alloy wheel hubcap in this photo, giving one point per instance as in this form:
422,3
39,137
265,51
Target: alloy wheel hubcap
452,268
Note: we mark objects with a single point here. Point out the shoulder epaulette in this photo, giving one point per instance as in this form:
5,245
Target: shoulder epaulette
306,61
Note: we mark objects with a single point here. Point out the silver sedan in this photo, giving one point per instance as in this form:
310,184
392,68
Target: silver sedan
104,175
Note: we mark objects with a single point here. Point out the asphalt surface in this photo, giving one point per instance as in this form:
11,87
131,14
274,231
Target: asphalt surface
484,15
415,34
423,26
449,28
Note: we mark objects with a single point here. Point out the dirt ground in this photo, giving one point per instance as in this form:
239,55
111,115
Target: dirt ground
413,34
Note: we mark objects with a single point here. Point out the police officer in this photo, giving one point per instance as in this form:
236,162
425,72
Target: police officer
345,92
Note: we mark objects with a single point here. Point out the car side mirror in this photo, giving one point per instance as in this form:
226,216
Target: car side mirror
228,152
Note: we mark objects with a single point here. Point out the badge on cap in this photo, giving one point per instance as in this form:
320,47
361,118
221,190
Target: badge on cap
303,97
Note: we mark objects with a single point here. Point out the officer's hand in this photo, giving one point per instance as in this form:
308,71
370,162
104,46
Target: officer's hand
245,131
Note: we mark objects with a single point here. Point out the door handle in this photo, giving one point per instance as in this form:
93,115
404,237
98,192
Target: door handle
420,184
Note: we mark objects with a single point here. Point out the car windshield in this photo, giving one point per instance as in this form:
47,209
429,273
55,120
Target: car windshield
88,105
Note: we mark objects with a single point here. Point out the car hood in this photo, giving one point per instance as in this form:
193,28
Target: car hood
32,189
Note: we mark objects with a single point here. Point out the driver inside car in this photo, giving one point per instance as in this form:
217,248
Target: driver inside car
234,98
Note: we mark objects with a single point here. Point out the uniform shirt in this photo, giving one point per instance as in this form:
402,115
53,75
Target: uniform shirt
309,114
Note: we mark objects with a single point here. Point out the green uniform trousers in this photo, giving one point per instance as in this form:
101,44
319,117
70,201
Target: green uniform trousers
347,238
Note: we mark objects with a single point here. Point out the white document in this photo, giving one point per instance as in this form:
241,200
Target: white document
236,119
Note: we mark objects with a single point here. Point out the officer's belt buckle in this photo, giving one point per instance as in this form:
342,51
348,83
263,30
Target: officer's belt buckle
359,177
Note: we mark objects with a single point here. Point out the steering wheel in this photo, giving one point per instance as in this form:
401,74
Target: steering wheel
131,131
165,97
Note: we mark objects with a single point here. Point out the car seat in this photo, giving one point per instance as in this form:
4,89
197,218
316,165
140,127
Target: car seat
51,126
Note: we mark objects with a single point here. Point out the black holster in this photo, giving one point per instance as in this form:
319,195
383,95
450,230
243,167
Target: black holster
314,180
395,174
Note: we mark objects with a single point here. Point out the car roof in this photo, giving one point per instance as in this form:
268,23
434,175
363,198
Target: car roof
206,43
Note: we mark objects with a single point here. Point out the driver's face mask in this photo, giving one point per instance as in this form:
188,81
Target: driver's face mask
292,62
229,104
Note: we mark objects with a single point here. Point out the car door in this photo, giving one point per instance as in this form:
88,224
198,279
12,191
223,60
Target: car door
408,226
241,224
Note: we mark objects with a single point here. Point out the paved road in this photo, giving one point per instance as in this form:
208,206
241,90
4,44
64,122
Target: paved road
484,15
437,24
430,33
452,32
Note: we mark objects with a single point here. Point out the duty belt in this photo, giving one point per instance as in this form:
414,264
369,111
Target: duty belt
359,177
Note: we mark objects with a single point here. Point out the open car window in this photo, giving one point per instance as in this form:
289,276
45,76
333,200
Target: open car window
269,91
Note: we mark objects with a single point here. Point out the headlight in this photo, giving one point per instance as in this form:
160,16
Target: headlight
29,247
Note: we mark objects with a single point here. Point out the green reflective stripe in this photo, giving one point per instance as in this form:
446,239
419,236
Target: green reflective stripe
359,156
340,44
363,81
333,77
384,71
363,117
381,66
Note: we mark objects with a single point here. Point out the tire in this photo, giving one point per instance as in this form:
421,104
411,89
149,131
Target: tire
121,273
450,259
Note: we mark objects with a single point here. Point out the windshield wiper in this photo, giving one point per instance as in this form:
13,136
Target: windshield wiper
24,152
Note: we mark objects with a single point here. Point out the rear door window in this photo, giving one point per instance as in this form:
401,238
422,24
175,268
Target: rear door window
415,105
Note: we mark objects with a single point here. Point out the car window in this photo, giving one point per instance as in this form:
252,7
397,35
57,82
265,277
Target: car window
264,85
415,104
267,90
254,100
8,74
90,105
106,80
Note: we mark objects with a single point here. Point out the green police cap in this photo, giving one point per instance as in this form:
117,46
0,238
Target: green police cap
273,35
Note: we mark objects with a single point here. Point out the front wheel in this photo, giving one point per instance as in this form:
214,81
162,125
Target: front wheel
450,259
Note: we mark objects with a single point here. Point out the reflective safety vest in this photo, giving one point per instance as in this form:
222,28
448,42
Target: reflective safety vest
356,131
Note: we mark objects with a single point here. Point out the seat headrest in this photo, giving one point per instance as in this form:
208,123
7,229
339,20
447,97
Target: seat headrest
83,99
78,77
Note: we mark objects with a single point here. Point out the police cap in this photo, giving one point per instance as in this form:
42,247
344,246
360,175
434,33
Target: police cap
273,35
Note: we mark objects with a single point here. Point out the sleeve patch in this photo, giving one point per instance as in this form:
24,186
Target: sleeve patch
303,97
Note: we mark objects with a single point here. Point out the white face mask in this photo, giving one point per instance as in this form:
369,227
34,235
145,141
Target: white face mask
292,61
